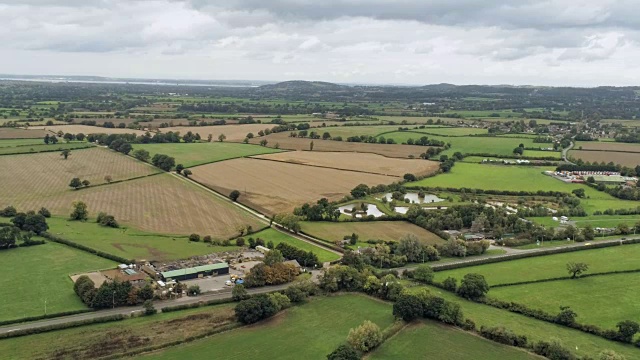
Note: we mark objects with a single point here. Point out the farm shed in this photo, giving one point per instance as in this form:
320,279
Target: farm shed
196,272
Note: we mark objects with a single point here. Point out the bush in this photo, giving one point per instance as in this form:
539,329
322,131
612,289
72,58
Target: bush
255,309
105,219
44,212
240,242
194,290
365,337
450,284
149,309
344,352
503,336
9,211
473,286
408,307
194,237
207,239
239,293
234,195
423,274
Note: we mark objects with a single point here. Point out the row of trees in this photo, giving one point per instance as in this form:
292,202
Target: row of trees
111,294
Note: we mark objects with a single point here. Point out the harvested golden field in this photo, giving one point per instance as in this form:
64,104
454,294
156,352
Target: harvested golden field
607,146
86,129
622,158
11,133
274,187
373,230
36,176
283,141
161,203
232,132
365,162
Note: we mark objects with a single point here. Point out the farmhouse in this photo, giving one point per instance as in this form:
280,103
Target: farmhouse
196,272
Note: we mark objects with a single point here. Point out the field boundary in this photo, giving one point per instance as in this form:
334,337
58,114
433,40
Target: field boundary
45,151
43,317
325,167
563,278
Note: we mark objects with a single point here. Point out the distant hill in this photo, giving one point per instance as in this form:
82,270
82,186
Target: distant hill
300,85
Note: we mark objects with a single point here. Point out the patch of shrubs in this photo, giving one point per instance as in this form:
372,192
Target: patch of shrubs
107,220
305,258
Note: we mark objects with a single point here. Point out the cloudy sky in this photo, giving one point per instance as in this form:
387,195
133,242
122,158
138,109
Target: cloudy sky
555,42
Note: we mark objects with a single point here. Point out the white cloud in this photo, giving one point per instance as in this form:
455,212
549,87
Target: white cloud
555,42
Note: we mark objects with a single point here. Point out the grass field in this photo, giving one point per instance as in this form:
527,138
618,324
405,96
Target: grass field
278,237
469,144
20,142
432,340
519,178
273,187
453,131
310,331
193,154
535,330
551,266
97,341
598,300
377,230
606,221
370,163
28,149
39,273
130,243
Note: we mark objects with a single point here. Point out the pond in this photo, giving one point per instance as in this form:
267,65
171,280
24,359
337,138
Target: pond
413,198
371,210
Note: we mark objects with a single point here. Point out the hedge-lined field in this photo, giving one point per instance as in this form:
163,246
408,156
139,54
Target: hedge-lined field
278,237
624,257
38,273
598,300
535,330
309,331
193,154
431,340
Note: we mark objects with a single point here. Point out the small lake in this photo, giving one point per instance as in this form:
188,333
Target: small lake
413,198
371,210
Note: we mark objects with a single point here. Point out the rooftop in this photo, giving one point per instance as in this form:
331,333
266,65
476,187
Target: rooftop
194,270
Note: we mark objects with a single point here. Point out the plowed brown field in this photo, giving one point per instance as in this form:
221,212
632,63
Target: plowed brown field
390,150
622,158
608,146
10,133
273,187
370,163
232,132
86,129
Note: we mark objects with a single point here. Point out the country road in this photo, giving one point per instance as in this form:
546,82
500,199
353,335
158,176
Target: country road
226,293
223,294
565,151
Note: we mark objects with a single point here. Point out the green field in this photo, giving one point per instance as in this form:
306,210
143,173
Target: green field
310,331
93,341
432,340
193,154
598,300
278,237
536,330
623,257
130,243
542,154
604,221
501,146
36,148
519,178
453,131
20,142
38,273
375,230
